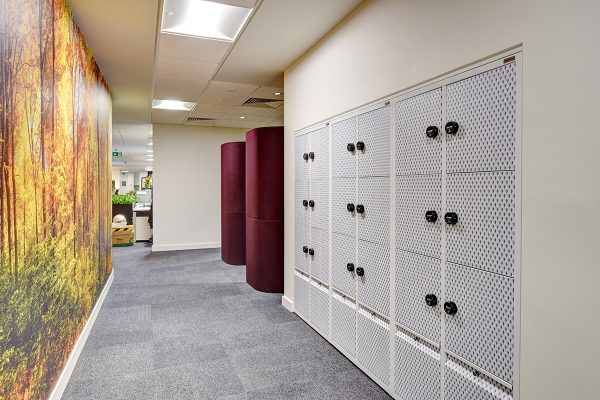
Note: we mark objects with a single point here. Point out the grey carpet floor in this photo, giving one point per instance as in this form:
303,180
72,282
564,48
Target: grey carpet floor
185,325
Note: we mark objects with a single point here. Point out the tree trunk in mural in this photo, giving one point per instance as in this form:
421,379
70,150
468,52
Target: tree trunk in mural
54,192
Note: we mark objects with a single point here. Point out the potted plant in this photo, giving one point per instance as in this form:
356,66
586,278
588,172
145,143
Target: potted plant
123,204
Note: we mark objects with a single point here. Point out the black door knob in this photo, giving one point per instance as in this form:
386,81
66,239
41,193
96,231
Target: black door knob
450,308
311,203
350,207
305,156
451,218
360,146
431,216
311,155
350,267
305,249
311,252
431,300
305,203
350,147
360,208
360,271
431,132
451,128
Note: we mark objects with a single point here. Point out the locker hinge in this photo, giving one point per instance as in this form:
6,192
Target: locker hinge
509,59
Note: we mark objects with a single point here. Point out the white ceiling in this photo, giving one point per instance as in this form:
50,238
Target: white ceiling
137,60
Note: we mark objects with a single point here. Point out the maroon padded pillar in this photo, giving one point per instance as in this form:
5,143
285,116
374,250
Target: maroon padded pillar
264,209
233,203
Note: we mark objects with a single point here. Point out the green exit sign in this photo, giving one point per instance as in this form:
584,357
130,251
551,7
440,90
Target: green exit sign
117,154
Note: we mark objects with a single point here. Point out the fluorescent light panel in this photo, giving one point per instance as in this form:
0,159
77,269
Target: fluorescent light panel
174,105
203,19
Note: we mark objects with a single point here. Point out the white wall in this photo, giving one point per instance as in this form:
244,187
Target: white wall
187,185
389,45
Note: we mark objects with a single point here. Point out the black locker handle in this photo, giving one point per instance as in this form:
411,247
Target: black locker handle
311,252
431,216
305,156
350,147
350,267
360,271
305,203
305,249
350,207
360,146
431,132
431,300
451,128
311,155
451,218
311,203
360,208
450,308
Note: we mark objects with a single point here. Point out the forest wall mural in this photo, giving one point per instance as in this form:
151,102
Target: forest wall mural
55,254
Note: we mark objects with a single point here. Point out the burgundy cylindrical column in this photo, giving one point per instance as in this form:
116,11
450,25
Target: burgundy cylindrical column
233,203
264,209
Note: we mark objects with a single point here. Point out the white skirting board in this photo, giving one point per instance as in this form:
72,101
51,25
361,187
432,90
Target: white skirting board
187,246
287,303
65,375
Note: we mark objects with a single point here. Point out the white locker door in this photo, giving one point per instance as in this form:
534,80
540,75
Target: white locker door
419,134
373,209
319,307
373,344
343,323
319,254
464,382
483,107
318,154
373,142
318,204
302,146
479,319
302,225
373,274
301,295
418,294
343,206
343,148
417,369
343,264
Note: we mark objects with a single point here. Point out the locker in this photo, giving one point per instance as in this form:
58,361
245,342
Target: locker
373,142
319,154
373,209
484,107
373,344
319,260
417,372
464,382
343,323
319,306
343,276
319,203
302,146
302,196
343,207
373,274
484,236
343,151
419,134
418,294
480,325
301,246
301,294
419,216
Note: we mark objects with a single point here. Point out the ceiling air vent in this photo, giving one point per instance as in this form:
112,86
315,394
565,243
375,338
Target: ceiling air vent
264,103
200,119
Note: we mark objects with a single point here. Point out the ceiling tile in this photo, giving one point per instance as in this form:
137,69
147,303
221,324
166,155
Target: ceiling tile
177,68
243,110
237,3
238,124
248,118
213,108
168,88
201,123
199,113
168,116
278,112
267,93
192,48
226,93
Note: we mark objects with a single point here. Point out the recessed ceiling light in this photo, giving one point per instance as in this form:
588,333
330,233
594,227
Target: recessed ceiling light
150,143
242,117
170,13
150,151
205,19
175,105
276,93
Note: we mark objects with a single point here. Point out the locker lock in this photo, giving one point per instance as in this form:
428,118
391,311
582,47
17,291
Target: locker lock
451,128
305,203
350,267
350,147
431,132
431,300
360,271
311,155
350,207
305,156
431,216
360,208
311,203
451,218
305,249
360,146
450,308
311,252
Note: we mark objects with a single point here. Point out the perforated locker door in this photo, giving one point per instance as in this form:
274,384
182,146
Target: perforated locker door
319,306
301,295
416,195
343,160
319,211
484,106
319,261
374,285
373,344
301,225
343,253
342,194
302,169
418,276
482,330
416,152
319,147
343,323
464,382
374,222
417,369
374,132
484,236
